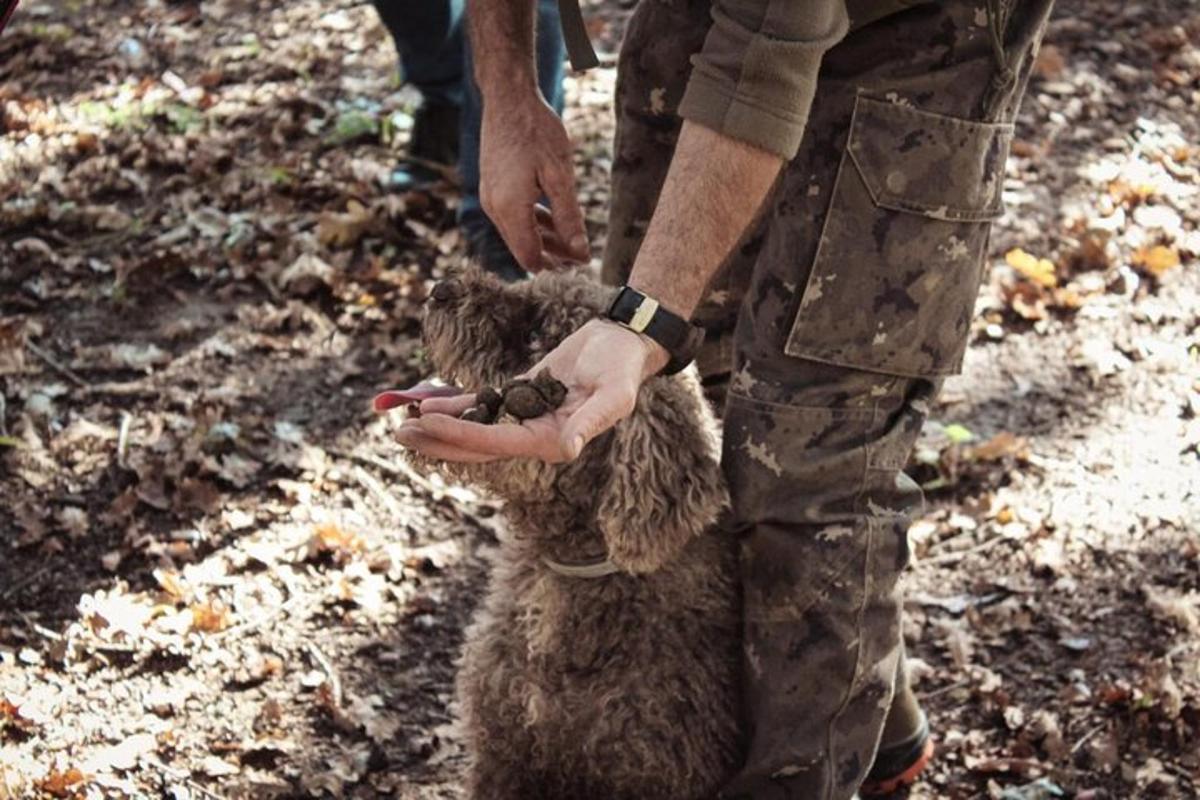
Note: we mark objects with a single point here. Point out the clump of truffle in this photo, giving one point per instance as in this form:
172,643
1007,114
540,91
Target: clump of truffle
486,408
522,398
526,399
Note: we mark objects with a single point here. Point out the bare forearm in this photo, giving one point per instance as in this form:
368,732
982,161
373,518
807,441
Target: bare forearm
502,38
712,193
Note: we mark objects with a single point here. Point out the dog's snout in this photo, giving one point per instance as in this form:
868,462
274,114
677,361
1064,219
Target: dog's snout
446,291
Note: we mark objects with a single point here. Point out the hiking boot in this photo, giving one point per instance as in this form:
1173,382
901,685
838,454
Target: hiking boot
899,765
487,247
432,148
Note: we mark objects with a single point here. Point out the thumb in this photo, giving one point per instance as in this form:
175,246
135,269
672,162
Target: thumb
601,411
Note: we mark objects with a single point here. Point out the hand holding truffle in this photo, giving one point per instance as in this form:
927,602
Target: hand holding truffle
579,390
521,398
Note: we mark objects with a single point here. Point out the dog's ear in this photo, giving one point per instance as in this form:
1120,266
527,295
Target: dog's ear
664,476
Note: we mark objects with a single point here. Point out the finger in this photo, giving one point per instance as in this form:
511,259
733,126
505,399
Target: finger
433,447
394,398
552,244
503,440
448,405
518,228
599,412
559,185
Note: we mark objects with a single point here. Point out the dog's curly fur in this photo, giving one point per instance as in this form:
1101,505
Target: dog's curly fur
623,687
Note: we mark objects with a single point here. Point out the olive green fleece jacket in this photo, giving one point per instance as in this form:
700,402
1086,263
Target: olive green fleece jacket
756,75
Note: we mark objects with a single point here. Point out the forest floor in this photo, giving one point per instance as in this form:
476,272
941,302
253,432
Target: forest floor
217,580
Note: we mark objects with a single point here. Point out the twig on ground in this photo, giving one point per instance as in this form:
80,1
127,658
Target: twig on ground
21,584
124,388
123,437
398,468
376,488
195,787
958,555
1020,766
3,415
41,630
271,289
66,372
1084,739
335,681
944,690
185,779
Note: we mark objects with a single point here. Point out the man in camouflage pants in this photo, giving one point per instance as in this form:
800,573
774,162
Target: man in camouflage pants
824,173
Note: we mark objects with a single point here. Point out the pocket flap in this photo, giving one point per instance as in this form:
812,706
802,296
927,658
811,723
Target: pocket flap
939,166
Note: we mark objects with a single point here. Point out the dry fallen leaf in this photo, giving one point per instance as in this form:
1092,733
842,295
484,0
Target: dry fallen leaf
306,275
1157,260
114,614
16,712
12,346
1027,299
1176,607
1039,270
217,767
1050,63
209,617
340,544
1001,445
344,230
123,755
173,584
62,784
1100,357
1130,194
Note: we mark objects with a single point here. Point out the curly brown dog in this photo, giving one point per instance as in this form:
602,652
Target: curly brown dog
621,686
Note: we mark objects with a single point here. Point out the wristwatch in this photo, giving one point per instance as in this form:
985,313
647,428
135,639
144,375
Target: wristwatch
641,314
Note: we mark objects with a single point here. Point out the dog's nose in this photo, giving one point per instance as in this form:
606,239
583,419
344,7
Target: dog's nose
446,291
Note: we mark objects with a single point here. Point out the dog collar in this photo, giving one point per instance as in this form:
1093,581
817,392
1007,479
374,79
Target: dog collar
596,568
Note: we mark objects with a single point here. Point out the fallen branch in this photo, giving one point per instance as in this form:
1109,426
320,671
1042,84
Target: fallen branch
402,470
1084,739
944,690
41,630
959,555
185,779
376,488
331,675
123,437
22,583
66,372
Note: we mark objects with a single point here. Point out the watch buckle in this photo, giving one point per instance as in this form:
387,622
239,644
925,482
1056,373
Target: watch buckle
644,313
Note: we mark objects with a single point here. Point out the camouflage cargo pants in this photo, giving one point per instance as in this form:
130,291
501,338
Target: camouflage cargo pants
831,328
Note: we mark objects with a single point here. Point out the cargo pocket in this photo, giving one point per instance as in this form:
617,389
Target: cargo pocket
893,284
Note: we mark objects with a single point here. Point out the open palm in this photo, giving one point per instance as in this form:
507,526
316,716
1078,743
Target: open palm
602,365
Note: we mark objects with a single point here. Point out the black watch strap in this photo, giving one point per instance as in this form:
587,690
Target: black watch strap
680,338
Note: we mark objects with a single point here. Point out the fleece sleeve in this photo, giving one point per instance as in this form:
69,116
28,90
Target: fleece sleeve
755,77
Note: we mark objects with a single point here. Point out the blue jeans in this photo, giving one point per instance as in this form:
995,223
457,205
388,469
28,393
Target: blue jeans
435,57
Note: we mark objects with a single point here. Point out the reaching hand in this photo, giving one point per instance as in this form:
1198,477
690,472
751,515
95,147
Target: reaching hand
603,366
525,155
